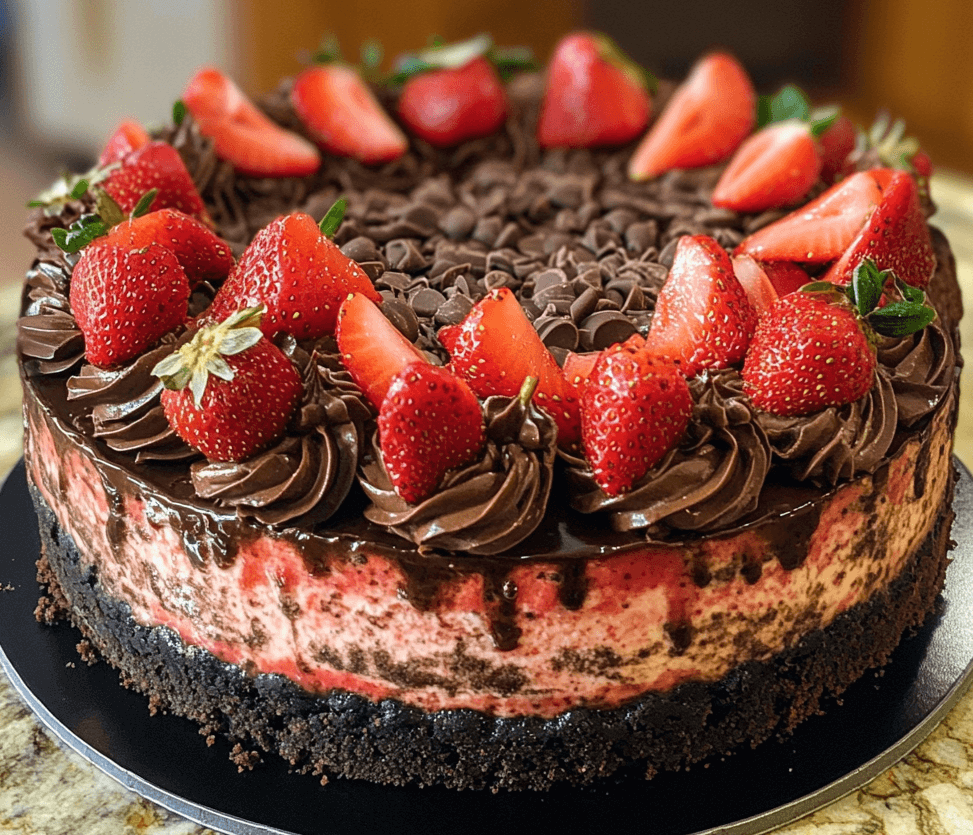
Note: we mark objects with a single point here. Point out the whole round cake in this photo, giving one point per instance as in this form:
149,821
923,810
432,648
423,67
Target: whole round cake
493,427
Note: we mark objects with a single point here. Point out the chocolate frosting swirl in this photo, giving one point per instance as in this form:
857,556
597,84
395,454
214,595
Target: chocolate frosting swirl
126,409
712,478
48,336
840,441
308,473
921,368
485,507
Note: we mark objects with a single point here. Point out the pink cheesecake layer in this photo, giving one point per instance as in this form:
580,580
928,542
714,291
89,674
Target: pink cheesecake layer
649,617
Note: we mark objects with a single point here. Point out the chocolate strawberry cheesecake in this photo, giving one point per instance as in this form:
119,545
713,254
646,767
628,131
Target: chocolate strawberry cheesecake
493,427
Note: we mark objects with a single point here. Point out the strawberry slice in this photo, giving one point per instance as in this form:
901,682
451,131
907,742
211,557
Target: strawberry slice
156,165
203,254
128,136
786,276
242,135
636,407
702,318
771,169
230,391
706,119
343,117
821,230
495,348
125,300
298,273
594,95
430,422
755,283
456,94
372,349
896,236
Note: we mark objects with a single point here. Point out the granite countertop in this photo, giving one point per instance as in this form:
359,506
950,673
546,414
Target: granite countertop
46,789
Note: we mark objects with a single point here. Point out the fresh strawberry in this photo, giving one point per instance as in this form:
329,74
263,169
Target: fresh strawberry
343,117
895,236
125,300
203,254
706,119
455,95
241,133
786,276
230,391
128,136
577,370
771,169
495,348
819,231
755,283
702,318
430,422
815,348
837,143
886,145
298,273
635,408
156,165
594,95
372,349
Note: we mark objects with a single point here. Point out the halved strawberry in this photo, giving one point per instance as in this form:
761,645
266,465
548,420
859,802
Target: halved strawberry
786,276
837,143
702,318
128,136
771,169
755,283
895,237
706,119
230,391
241,133
454,94
594,95
372,349
821,230
343,117
298,273
635,408
430,422
125,300
201,252
495,348
156,165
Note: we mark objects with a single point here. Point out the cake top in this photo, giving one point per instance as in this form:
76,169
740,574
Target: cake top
431,305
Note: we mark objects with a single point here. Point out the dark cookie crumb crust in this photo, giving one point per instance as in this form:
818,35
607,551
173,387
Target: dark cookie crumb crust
343,734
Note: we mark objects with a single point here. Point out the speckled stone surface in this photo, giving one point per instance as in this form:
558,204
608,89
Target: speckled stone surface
46,789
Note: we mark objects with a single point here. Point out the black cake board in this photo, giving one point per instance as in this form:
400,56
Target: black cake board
165,759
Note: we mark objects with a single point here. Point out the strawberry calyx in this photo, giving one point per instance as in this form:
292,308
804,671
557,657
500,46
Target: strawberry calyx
790,102
203,355
507,61
883,303
106,216
610,51
333,217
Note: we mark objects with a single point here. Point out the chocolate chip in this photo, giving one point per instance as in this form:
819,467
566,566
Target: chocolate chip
403,255
605,328
361,249
585,303
400,314
487,230
557,331
458,222
454,310
509,236
640,236
373,269
427,301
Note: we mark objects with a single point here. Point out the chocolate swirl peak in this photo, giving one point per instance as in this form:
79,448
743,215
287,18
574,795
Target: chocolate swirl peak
126,409
485,507
307,474
921,367
48,336
711,479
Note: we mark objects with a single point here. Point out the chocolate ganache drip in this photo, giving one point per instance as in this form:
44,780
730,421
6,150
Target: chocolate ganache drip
712,478
307,474
125,405
482,508
48,336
